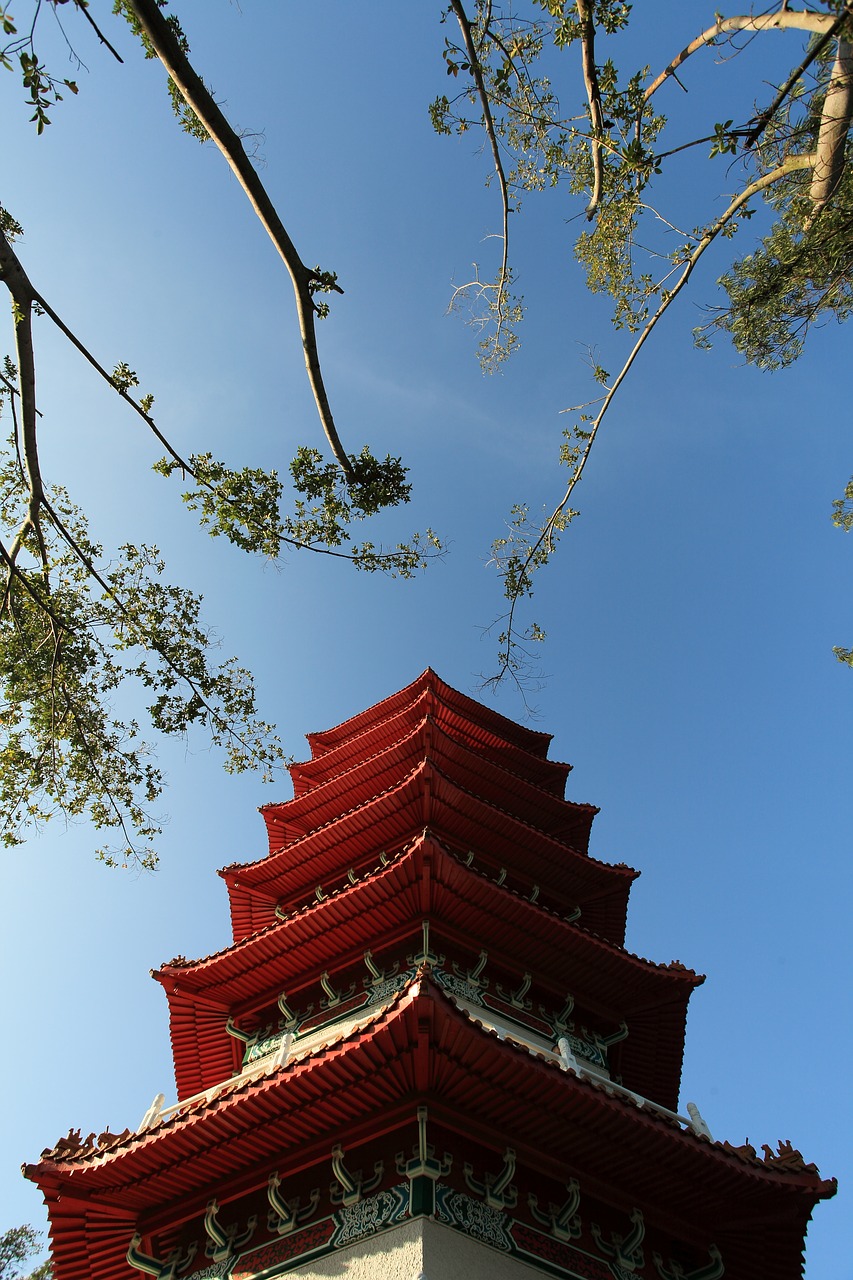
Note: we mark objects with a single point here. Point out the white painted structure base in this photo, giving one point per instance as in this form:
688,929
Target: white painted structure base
418,1250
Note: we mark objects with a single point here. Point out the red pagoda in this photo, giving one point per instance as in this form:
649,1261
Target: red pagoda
427,1050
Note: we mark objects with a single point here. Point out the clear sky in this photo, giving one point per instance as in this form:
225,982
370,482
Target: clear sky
691,613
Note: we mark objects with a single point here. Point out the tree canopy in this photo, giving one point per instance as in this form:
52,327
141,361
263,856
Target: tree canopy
559,103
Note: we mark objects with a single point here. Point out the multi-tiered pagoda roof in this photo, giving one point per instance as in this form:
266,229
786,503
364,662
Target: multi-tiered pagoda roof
428,957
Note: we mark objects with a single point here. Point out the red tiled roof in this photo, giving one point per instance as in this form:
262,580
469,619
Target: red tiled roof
465,909
424,1049
494,724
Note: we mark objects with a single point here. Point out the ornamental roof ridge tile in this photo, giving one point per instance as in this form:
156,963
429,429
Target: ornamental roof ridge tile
345,887
429,718
669,966
429,679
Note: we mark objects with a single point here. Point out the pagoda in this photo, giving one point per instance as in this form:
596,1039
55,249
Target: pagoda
427,1051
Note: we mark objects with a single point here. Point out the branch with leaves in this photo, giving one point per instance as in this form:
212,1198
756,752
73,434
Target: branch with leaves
794,155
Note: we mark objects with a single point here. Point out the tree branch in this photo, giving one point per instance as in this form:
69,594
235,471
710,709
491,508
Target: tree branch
791,165
489,126
762,121
593,93
303,278
23,297
783,20
834,126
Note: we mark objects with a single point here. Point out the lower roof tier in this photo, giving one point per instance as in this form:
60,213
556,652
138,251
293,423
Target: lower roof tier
468,912
421,1050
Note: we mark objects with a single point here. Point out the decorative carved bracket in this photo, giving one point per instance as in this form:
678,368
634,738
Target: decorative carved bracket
615,1036
516,998
502,876
350,1187
565,1223
290,1018
561,1022
334,997
425,956
495,1190
224,1242
624,1250
285,1215
424,1164
534,893
711,1271
352,877
175,1264
319,895
238,1034
377,975
473,975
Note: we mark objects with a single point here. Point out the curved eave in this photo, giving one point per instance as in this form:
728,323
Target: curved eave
499,726
427,797
550,775
291,820
462,905
423,1049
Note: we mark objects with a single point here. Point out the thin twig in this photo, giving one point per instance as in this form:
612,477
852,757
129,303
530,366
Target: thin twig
790,165
491,134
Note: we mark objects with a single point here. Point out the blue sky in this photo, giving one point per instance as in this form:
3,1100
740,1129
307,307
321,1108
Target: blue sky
691,612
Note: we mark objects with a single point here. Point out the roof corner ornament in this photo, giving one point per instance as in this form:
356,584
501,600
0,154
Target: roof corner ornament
424,1164
516,998
697,1124
472,976
285,1215
224,1242
626,1250
377,975
565,1222
350,1187
174,1265
568,1061
495,1189
333,997
713,1270
152,1115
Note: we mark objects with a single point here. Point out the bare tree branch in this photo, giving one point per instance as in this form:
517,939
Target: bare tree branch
593,93
783,19
491,134
303,278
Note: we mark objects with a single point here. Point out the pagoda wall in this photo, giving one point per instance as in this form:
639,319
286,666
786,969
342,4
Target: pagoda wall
419,1248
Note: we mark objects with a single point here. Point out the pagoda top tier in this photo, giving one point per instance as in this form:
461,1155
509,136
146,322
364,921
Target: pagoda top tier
429,690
